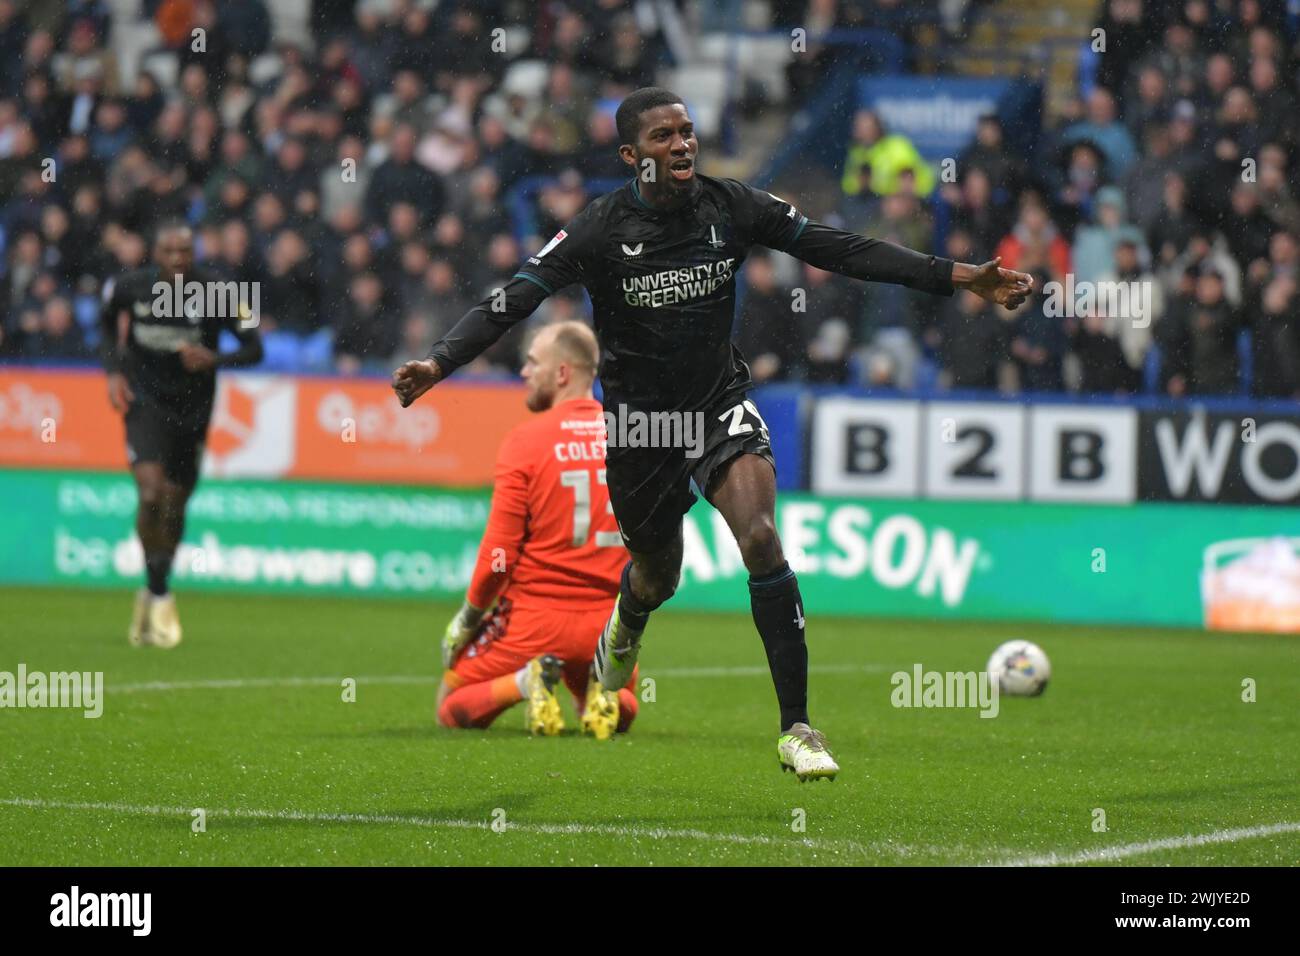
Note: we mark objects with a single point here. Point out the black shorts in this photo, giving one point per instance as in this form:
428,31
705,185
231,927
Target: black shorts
650,487
153,435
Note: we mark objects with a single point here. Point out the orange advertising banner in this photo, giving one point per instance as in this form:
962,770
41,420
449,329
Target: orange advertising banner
359,431
270,426
59,419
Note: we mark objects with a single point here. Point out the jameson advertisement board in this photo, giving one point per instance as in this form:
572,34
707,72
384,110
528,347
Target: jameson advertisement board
1222,566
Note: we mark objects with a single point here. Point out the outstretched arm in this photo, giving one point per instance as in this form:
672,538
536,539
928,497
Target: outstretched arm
775,222
477,330
878,260
874,260
559,263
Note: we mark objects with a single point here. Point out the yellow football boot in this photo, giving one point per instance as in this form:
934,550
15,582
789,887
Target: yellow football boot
600,713
542,715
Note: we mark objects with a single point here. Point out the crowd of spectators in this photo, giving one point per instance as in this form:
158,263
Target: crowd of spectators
361,181
1173,175
362,178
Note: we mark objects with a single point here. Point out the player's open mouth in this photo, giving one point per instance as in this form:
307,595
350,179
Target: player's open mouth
681,169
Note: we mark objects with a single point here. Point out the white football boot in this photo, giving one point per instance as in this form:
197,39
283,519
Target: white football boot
803,751
138,632
615,662
164,622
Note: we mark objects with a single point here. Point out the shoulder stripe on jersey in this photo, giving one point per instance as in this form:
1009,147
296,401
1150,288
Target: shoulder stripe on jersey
525,275
798,232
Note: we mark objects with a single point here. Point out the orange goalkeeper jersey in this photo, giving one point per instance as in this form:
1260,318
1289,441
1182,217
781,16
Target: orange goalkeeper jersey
551,536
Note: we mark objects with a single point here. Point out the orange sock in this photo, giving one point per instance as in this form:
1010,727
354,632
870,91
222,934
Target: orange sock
627,706
477,705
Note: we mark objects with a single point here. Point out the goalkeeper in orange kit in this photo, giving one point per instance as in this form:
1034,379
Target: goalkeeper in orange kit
551,558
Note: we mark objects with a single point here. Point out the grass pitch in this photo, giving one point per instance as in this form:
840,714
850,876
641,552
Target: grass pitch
246,721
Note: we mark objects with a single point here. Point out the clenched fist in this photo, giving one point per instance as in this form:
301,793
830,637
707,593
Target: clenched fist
414,379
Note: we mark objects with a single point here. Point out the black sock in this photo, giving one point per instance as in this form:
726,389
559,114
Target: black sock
157,569
631,612
778,615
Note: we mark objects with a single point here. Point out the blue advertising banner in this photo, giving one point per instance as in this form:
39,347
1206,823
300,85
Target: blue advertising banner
782,408
937,114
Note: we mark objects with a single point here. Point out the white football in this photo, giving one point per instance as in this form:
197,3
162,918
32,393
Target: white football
1020,669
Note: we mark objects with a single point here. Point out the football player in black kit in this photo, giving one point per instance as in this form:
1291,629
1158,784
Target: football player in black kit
658,258
160,352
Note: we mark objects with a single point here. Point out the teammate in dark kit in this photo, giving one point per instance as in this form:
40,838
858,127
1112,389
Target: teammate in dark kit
160,352
659,258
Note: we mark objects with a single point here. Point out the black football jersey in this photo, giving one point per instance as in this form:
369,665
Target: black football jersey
663,286
145,321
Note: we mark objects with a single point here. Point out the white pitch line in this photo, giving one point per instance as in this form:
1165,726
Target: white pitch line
760,671
1103,855
1107,854
240,683
560,829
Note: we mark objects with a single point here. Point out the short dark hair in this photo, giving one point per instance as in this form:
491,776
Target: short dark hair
628,117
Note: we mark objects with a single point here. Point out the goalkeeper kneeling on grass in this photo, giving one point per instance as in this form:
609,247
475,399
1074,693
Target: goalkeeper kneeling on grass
551,558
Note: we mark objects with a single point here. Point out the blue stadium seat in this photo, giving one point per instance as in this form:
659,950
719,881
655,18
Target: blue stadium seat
316,352
287,352
927,374
1245,361
942,218
282,350
1088,62
1151,370
857,371
86,310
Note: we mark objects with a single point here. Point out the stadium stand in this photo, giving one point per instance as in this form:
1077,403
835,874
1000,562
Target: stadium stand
112,118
